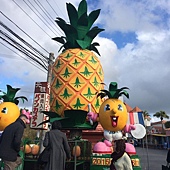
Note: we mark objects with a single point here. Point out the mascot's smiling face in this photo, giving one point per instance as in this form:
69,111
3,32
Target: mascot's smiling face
113,115
9,112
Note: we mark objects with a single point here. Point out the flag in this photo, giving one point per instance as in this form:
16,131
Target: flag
135,118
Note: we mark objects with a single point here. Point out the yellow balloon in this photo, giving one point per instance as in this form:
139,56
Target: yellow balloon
9,112
113,115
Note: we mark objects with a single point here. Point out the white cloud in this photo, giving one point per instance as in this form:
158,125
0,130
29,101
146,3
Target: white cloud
143,66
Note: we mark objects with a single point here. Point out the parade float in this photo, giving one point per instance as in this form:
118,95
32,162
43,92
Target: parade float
77,83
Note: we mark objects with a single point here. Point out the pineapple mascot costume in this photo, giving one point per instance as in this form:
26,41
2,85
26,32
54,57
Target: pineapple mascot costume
113,117
9,110
77,73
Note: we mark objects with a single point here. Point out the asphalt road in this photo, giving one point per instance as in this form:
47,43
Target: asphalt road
151,159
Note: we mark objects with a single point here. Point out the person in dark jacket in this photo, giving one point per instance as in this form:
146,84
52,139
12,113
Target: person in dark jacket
59,147
168,157
10,142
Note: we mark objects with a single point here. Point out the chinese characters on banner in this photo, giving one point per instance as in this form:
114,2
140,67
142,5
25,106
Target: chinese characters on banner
41,103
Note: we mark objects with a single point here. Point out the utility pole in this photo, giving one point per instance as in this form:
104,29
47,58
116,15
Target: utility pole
49,76
50,63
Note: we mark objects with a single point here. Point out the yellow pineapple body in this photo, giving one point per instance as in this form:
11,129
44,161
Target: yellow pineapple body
76,77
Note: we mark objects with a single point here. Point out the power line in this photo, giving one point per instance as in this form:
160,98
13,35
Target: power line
58,8
22,40
23,31
31,19
23,57
38,15
23,50
47,14
9,56
52,8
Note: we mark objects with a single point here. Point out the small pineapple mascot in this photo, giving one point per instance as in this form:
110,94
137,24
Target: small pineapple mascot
77,73
9,110
112,115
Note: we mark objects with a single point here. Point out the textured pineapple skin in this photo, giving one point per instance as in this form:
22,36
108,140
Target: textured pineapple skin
76,77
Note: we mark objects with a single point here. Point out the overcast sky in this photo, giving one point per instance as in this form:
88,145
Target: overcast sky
134,48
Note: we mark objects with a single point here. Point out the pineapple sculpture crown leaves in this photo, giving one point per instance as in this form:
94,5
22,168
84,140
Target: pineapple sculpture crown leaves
114,92
79,34
10,95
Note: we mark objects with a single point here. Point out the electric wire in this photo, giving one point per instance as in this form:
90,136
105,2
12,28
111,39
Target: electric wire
58,8
22,49
19,45
39,16
23,57
47,14
31,18
52,8
23,31
22,40
13,57
24,52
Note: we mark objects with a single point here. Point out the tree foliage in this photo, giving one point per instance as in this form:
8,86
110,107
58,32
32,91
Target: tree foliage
161,115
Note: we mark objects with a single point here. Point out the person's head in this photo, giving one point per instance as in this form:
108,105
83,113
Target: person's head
119,145
56,125
24,118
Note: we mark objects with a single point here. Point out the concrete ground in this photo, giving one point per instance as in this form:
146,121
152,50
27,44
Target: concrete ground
151,159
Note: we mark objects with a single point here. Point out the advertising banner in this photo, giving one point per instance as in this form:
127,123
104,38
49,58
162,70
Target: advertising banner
40,103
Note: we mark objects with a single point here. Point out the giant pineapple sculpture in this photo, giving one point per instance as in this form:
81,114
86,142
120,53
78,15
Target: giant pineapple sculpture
77,73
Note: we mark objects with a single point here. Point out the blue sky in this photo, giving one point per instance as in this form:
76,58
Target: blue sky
134,47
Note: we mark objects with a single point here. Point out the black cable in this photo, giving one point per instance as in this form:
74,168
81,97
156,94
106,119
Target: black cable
38,16
23,31
22,50
21,47
23,57
58,7
22,40
31,18
47,14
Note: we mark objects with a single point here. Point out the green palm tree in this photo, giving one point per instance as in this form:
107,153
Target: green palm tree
146,114
161,115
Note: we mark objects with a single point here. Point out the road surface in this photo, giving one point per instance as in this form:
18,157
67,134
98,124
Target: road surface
151,159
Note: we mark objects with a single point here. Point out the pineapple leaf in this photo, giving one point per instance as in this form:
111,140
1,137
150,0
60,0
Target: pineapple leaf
50,114
101,95
82,8
79,28
23,98
93,48
125,93
94,31
113,92
60,39
60,19
11,92
92,17
73,15
113,86
10,95
66,27
83,44
83,21
70,32
46,121
96,44
61,48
